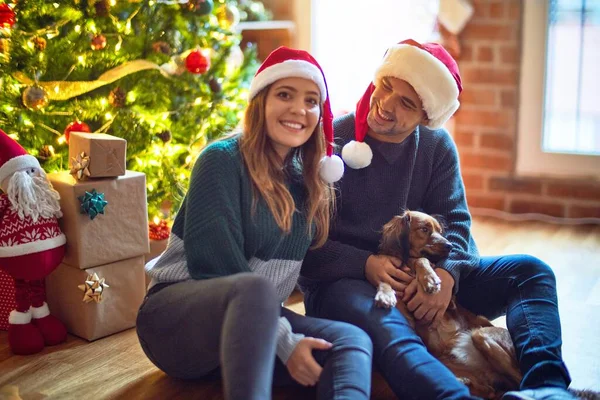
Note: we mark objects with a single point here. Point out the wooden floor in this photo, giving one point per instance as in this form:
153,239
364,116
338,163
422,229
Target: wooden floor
116,368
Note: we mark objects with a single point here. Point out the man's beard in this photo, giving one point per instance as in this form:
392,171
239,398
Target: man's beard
33,196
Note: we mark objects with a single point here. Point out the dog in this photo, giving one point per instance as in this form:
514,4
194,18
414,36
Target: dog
480,355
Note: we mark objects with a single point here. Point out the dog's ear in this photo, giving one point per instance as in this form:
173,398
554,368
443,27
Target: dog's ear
441,220
405,236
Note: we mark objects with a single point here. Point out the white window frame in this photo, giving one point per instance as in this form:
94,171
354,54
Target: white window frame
531,160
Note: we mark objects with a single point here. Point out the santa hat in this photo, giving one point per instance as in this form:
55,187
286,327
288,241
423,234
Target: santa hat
13,157
284,62
430,70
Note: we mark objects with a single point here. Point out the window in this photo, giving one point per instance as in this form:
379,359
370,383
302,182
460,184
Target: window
559,116
349,38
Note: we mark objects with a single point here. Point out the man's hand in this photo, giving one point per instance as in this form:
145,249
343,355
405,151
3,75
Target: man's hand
386,269
429,308
302,366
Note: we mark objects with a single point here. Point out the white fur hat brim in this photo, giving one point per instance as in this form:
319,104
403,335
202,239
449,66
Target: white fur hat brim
430,78
288,69
17,164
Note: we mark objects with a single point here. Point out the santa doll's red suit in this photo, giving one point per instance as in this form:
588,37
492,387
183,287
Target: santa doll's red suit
31,246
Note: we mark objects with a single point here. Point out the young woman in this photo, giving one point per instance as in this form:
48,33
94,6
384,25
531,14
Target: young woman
256,202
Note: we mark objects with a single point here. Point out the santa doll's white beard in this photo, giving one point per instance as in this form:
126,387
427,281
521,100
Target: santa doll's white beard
33,196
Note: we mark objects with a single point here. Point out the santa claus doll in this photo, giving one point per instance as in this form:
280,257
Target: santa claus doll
31,246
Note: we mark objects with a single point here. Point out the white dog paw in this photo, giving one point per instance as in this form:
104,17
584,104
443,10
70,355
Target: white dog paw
432,284
385,297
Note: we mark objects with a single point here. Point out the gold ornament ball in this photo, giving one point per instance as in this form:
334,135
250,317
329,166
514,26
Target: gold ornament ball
35,98
39,43
228,16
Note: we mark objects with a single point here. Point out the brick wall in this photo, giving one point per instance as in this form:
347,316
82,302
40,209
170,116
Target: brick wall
485,127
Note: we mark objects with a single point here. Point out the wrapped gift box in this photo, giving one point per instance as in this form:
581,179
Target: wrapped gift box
120,233
7,299
80,311
106,153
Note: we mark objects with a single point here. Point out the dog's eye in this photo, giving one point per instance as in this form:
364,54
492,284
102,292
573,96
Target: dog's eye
425,229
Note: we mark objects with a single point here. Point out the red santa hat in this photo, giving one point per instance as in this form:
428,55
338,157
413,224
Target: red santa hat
430,70
284,62
13,157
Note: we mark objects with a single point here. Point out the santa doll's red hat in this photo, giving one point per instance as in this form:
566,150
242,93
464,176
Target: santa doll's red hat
13,157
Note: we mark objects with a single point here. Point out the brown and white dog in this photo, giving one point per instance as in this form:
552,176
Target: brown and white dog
481,355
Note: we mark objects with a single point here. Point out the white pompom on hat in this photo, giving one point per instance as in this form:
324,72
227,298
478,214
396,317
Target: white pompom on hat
430,70
285,62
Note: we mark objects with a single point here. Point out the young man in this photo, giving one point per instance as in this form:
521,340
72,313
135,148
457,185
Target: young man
402,158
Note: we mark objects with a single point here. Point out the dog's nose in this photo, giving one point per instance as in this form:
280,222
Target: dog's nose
448,246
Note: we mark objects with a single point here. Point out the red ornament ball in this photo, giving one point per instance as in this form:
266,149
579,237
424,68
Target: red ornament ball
76,126
7,16
197,63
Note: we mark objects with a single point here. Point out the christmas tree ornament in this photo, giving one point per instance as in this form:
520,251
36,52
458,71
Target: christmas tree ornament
76,126
199,7
165,136
159,231
39,43
161,47
35,98
228,16
80,166
117,97
102,8
215,86
93,288
7,16
92,203
197,63
235,59
46,152
98,42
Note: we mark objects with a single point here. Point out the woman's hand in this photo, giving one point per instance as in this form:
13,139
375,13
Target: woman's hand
386,269
429,308
302,366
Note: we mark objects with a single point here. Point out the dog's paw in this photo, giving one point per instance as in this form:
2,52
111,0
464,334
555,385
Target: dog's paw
431,283
385,297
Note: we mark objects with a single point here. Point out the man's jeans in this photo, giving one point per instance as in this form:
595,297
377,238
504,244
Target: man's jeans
520,286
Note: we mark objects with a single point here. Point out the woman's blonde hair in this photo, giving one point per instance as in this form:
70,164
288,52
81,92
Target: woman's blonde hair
268,177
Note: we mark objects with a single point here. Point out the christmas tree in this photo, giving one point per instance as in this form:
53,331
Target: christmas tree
166,75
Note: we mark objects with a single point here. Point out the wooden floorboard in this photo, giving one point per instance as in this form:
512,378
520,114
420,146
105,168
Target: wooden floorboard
116,368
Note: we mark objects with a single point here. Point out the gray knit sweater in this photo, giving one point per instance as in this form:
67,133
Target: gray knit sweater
421,173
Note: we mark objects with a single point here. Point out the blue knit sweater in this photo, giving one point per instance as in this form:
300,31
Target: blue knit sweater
216,233
422,174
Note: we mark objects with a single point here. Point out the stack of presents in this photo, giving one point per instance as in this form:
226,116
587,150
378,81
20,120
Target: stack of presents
100,284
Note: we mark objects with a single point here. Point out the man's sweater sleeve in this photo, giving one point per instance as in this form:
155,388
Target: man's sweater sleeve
335,260
213,235
446,196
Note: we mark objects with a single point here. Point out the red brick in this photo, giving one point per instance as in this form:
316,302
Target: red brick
496,141
509,55
488,31
537,207
485,54
514,10
508,98
577,211
574,190
464,138
481,9
483,201
466,52
498,10
493,119
486,161
473,181
511,185
485,97
490,75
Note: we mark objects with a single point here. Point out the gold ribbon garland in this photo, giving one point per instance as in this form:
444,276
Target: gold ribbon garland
64,90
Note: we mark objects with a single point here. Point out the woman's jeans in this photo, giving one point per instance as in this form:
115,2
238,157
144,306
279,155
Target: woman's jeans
227,326
520,286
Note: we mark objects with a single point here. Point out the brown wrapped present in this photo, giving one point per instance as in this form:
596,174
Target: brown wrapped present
98,301
96,155
108,232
